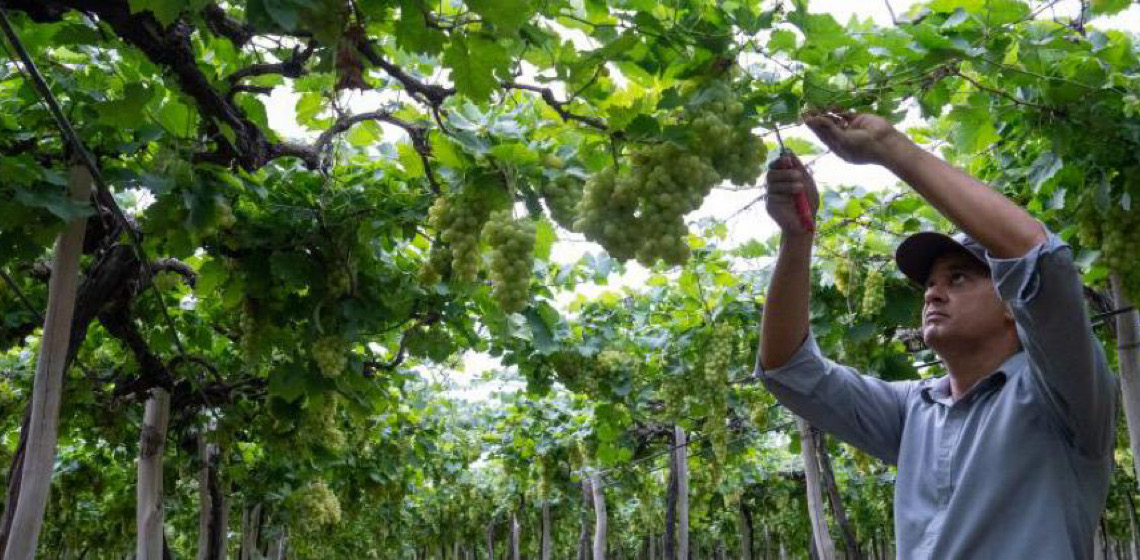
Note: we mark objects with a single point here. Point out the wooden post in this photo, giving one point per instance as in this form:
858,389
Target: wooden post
681,452
47,388
152,443
600,520
821,538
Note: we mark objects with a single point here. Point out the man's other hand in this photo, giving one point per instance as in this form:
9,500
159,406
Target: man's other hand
857,138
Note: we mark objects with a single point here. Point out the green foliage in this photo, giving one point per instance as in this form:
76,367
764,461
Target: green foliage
331,280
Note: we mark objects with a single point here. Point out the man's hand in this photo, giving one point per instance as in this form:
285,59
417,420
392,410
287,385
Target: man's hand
787,178
857,138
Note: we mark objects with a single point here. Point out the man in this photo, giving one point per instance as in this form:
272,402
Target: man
1008,456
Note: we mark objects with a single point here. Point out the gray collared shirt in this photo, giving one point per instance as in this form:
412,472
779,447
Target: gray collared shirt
1018,467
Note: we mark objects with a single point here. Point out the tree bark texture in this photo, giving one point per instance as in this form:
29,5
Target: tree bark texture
152,444
47,389
821,538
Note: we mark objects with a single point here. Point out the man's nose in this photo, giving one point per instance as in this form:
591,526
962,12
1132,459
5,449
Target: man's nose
934,292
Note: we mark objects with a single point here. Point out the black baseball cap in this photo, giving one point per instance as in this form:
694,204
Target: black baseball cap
916,254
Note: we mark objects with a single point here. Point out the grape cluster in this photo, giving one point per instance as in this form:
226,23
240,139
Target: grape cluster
1089,224
590,374
758,415
340,281
459,218
331,355
1121,248
316,506
641,213
251,331
437,267
724,137
512,259
562,196
547,467
320,427
873,298
843,277
719,354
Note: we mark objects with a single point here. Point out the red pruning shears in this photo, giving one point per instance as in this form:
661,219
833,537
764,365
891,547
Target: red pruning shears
803,208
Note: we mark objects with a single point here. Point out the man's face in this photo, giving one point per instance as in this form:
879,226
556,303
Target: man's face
961,304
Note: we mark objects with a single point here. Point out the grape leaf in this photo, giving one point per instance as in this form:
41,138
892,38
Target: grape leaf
506,15
474,61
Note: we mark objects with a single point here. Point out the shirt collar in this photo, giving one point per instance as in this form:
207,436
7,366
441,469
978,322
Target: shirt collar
938,391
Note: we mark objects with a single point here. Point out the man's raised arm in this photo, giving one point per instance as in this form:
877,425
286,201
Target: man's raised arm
785,323
1000,225
863,411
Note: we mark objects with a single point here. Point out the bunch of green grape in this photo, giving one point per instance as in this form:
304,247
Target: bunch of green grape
331,355
605,215
720,352
320,426
1089,221
675,393
459,217
590,374
873,296
339,281
547,466
843,276
758,415
575,371
724,136
251,331
562,197
641,213
437,267
1121,246
315,506
715,426
512,259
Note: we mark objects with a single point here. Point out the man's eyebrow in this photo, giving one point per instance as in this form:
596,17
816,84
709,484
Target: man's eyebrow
963,266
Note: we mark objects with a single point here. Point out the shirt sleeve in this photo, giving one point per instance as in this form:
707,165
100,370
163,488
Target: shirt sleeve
1044,293
864,411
